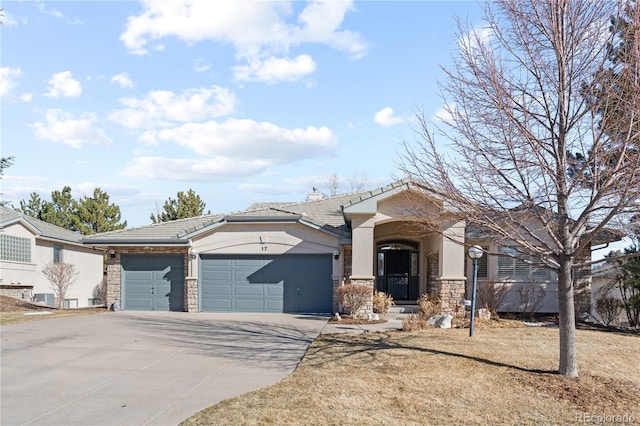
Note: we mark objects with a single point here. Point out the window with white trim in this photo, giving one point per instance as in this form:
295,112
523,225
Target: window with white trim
517,268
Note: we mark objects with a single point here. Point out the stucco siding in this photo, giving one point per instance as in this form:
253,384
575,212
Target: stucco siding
267,239
88,264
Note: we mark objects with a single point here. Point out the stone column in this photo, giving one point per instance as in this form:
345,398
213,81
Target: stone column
113,280
451,279
451,292
191,294
362,256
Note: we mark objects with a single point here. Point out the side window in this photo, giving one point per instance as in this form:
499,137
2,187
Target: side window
483,263
57,253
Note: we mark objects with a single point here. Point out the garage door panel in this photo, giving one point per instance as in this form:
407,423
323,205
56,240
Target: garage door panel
249,290
218,290
216,275
287,283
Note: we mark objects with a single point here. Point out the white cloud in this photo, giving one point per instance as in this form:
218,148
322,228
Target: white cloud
477,37
273,69
230,149
192,169
199,65
445,113
162,107
59,126
8,79
64,85
262,34
385,118
26,97
7,20
51,12
248,139
123,80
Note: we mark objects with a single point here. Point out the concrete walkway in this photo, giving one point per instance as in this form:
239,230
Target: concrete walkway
142,368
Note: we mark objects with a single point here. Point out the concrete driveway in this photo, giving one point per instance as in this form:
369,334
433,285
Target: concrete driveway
139,368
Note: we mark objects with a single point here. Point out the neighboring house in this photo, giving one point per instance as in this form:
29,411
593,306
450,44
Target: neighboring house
28,244
291,257
604,284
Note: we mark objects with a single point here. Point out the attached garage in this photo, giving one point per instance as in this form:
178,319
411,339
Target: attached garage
253,283
152,282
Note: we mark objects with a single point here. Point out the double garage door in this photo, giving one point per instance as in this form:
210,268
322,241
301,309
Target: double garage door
285,283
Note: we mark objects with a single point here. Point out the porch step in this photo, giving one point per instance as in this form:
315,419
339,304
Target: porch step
398,312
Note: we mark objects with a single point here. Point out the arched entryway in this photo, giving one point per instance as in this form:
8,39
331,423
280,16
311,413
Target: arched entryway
397,270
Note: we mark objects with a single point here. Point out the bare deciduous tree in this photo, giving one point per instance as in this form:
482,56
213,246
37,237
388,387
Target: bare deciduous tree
524,95
61,277
333,185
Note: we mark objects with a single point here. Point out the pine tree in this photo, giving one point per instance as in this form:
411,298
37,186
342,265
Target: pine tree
186,205
96,215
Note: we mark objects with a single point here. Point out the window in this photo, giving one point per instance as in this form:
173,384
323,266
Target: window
483,263
70,303
15,249
380,264
95,302
57,253
517,268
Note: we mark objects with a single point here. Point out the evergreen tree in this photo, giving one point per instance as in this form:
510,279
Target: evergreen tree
186,205
96,215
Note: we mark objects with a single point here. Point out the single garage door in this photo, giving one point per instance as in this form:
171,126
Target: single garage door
152,282
286,283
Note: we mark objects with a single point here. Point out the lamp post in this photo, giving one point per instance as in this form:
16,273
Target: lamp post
475,253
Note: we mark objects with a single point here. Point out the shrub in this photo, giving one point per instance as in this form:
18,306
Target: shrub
429,306
414,322
491,296
381,302
609,308
530,296
353,297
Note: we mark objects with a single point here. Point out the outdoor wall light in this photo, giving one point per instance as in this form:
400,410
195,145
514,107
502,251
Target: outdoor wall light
475,253
194,255
336,254
112,253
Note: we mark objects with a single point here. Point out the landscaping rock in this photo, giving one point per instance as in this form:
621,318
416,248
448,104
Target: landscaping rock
440,321
483,314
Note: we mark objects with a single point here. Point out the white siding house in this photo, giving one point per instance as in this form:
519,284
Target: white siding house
28,244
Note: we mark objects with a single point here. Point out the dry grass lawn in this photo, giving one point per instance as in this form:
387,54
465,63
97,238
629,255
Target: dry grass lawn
501,376
14,310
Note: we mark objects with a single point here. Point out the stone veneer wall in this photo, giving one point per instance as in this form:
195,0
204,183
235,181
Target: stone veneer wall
191,294
113,268
369,283
451,292
432,275
347,261
17,291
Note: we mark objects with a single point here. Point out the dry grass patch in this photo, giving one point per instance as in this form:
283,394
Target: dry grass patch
14,310
501,376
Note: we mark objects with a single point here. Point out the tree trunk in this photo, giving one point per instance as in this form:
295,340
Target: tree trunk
566,309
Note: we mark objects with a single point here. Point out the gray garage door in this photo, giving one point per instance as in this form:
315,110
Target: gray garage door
152,282
287,283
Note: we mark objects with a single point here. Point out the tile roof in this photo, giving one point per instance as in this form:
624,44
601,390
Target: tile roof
44,229
173,231
325,213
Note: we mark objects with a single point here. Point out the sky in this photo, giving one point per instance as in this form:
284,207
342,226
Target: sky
243,101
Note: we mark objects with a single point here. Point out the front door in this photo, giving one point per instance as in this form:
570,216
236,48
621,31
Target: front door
397,272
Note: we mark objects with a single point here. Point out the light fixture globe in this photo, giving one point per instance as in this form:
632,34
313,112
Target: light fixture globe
475,252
